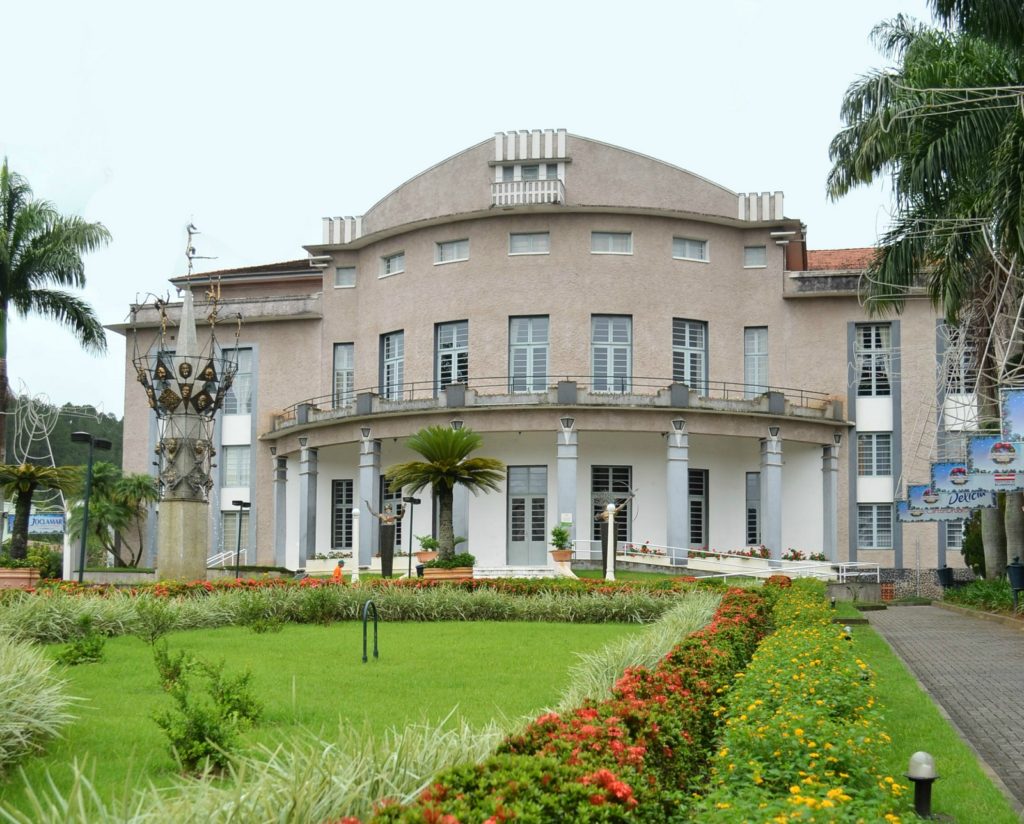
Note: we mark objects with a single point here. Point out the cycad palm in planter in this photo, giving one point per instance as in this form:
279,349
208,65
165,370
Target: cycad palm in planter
446,462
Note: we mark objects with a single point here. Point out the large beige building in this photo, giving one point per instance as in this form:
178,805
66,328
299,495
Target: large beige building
610,323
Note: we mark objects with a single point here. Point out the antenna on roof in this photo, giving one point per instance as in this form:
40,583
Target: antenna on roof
190,250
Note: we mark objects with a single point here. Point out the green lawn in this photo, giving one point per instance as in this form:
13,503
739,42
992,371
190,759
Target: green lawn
313,678
913,721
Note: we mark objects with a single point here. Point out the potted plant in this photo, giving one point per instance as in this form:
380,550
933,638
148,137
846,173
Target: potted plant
458,567
17,573
428,548
561,543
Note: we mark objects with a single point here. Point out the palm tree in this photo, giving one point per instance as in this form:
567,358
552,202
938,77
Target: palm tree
22,481
118,508
944,125
445,463
41,249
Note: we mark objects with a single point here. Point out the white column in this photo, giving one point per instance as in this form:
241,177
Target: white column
369,490
677,490
567,451
771,495
830,501
609,555
280,475
307,503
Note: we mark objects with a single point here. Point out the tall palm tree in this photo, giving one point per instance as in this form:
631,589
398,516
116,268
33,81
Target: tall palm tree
945,127
41,249
446,463
22,481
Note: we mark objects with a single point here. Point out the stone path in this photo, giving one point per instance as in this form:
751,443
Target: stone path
975,670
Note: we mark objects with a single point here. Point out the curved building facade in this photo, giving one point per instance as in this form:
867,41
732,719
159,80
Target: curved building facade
615,327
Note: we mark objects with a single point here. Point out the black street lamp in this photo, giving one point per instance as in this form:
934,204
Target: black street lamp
242,506
98,443
412,502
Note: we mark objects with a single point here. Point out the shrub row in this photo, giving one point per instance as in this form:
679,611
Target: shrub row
56,615
802,738
634,756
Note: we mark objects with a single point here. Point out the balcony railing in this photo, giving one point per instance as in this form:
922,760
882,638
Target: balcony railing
527,192
561,390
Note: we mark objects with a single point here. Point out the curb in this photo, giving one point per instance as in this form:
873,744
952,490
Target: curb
1005,620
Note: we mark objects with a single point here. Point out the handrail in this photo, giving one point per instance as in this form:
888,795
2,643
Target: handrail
508,384
366,608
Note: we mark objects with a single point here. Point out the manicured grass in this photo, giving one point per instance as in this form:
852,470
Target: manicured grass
914,722
627,575
313,678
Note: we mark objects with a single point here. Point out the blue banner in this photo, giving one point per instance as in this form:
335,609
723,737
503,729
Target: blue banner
47,523
950,476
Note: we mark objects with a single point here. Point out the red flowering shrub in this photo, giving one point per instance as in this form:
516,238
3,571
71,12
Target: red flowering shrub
634,756
781,581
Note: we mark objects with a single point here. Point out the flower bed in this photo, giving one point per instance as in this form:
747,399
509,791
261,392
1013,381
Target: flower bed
635,756
802,738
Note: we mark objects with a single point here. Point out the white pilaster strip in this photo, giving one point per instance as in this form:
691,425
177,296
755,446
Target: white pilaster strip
348,230
742,200
510,146
561,143
777,213
752,206
535,143
359,226
499,145
765,203
549,142
523,149
325,224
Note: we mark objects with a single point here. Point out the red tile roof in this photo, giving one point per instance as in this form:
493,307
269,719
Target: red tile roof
839,259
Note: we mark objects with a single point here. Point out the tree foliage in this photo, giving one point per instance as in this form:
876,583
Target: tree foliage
21,481
446,463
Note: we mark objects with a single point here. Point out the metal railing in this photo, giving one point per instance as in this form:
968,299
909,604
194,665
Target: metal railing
226,558
516,390
527,192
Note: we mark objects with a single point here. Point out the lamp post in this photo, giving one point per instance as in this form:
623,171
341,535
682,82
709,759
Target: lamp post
97,443
412,503
242,506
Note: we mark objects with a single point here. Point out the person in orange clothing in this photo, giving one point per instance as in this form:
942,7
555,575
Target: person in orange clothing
338,576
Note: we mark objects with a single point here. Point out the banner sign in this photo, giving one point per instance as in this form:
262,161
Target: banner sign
905,512
46,523
922,496
952,475
1011,405
990,453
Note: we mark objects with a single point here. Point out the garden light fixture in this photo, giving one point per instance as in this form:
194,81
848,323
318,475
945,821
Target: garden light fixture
773,431
456,424
273,450
679,425
365,432
97,443
303,442
242,506
567,422
837,438
921,771
848,633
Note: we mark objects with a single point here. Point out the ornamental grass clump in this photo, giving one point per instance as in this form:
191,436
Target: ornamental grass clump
33,704
802,739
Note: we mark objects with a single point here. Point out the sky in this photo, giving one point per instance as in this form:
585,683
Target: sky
255,120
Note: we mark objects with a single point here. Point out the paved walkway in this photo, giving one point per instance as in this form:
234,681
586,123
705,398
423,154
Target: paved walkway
975,670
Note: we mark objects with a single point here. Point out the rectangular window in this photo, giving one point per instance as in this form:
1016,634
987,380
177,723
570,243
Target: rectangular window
528,354
690,353
392,365
451,250
753,508
960,364
531,172
874,453
344,277
238,399
698,480
508,174
611,485
532,243
551,171
229,534
873,354
611,352
341,514
392,264
685,248
755,257
452,362
874,526
611,243
955,535
235,465
344,373
755,361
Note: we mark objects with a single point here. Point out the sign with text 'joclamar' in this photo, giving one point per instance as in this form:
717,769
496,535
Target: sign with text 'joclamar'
991,453
1011,408
949,476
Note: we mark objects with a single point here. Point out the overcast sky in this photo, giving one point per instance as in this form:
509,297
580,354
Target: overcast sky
254,120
